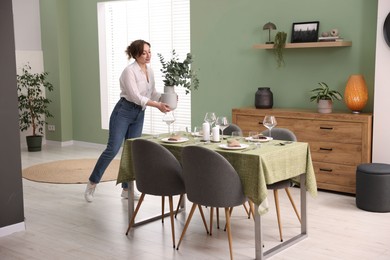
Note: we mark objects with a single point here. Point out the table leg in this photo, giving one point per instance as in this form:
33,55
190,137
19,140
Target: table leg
258,234
260,254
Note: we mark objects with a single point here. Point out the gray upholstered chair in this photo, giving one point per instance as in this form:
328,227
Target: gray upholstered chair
212,183
157,172
228,131
231,128
285,135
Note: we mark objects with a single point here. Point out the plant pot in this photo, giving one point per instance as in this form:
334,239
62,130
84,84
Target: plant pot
325,106
169,97
34,143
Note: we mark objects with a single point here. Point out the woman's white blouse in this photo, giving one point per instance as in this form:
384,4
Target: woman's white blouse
135,86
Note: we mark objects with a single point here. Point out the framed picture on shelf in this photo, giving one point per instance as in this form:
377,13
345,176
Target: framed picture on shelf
305,32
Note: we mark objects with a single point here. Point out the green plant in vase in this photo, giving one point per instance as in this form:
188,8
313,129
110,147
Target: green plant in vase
324,96
179,73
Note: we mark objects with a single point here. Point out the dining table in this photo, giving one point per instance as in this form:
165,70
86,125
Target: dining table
257,164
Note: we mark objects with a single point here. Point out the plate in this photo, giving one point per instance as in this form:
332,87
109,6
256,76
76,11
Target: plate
181,140
225,146
250,139
197,134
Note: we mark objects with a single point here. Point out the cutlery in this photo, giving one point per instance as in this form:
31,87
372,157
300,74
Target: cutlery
249,149
284,143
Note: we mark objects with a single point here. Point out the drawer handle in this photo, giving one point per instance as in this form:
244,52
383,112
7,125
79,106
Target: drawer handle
326,128
325,170
326,149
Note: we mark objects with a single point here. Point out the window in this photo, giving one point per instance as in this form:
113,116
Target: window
163,23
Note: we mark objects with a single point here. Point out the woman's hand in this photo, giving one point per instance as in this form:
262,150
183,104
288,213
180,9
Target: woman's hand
163,107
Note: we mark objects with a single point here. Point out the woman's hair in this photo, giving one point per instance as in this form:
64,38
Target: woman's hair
136,48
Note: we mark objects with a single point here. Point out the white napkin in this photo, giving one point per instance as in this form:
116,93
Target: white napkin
206,131
215,132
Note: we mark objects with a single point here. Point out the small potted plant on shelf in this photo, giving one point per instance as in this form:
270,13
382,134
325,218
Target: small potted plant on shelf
324,97
279,44
177,73
33,105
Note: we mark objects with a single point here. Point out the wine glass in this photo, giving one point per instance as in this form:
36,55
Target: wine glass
222,122
269,122
210,118
169,118
197,133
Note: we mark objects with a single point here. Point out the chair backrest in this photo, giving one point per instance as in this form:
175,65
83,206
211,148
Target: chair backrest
231,128
210,179
281,134
157,171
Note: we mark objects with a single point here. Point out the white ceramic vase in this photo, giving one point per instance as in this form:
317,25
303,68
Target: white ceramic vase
325,106
169,97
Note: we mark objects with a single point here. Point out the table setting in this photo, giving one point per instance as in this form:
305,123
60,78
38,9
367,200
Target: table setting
259,160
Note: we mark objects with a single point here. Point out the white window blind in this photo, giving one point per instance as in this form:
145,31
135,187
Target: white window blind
163,23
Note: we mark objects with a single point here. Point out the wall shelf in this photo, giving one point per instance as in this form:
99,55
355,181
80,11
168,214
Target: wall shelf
307,45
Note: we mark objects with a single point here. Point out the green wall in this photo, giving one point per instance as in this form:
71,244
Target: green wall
230,70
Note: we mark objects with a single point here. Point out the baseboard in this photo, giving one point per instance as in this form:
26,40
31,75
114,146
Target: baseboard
57,143
8,230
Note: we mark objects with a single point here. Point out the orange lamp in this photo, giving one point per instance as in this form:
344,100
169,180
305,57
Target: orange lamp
356,94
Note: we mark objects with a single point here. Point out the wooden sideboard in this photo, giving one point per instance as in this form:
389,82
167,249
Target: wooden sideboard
338,141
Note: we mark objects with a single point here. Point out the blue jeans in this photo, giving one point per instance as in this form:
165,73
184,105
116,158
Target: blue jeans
126,121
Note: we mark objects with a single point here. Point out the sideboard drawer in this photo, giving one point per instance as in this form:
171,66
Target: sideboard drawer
340,177
348,154
310,130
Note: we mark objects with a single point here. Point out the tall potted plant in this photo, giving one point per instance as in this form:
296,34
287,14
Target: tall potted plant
324,96
33,105
177,73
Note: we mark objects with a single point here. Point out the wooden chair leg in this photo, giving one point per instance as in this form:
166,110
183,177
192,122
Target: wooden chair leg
217,209
252,208
293,204
203,218
178,205
278,214
135,213
230,212
229,232
162,208
172,223
247,211
211,220
186,225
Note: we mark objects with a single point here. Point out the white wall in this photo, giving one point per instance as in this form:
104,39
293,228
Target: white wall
381,136
28,47
27,24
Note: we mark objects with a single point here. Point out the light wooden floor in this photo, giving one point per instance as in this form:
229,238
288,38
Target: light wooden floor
61,225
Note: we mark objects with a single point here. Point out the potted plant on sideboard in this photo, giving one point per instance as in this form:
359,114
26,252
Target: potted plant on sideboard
33,105
324,97
177,73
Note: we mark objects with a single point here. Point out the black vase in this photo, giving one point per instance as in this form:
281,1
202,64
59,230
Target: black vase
264,98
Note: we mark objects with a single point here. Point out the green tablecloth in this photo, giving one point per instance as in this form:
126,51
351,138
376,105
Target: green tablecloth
266,165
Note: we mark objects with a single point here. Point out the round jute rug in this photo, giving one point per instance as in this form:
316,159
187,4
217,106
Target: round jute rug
68,171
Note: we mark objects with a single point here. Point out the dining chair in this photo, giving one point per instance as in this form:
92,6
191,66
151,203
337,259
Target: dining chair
232,128
285,135
228,131
212,183
157,172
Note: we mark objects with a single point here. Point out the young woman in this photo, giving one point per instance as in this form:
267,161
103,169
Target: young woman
137,92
